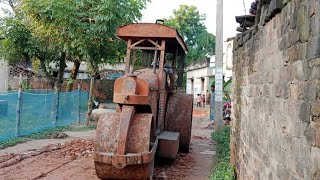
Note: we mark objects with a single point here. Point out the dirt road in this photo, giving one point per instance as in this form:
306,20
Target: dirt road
71,158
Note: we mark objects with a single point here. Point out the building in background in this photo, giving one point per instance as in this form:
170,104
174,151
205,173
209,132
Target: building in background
108,71
4,75
200,74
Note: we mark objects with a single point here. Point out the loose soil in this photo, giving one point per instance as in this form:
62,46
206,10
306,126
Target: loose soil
70,158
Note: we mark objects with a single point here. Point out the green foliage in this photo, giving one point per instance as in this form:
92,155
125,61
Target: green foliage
82,128
11,88
190,24
12,142
226,89
70,81
84,28
15,46
19,44
222,169
39,31
24,85
222,138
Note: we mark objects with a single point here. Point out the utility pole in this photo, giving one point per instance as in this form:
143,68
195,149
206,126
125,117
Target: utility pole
219,66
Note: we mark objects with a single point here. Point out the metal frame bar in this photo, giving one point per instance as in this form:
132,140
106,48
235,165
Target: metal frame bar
136,43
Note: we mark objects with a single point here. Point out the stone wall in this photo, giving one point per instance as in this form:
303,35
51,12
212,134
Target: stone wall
276,105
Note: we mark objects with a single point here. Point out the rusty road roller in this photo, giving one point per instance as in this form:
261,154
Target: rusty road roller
154,116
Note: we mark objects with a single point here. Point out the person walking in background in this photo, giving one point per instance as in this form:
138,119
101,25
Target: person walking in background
203,100
208,96
198,100
212,102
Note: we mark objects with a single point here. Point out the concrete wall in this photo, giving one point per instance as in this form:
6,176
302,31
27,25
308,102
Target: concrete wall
3,76
276,105
196,76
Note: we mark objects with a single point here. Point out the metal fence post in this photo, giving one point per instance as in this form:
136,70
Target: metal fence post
57,108
19,107
79,95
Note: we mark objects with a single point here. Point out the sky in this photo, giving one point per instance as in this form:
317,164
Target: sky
158,9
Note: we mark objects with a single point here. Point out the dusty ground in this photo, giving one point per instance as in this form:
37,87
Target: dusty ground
71,158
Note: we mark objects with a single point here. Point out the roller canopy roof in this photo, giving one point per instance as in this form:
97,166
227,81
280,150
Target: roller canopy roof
155,32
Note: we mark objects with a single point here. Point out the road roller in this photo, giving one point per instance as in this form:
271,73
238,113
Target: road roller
154,115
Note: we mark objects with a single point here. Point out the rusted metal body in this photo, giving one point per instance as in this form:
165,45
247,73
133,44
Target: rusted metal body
151,117
168,144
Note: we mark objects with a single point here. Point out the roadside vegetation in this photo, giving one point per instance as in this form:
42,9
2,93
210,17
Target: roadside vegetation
222,169
47,134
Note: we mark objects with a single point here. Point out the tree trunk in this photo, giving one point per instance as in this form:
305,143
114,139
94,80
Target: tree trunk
90,102
62,66
73,75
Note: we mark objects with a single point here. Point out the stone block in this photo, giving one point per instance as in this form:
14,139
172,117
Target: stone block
298,70
310,135
255,29
264,13
314,62
318,137
313,47
266,91
248,35
293,37
315,156
302,51
315,109
293,53
315,24
293,20
294,91
274,8
315,73
304,114
311,94
307,71
312,9
284,43
305,31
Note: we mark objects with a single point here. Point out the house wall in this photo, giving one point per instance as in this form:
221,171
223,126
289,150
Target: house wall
276,94
3,75
197,75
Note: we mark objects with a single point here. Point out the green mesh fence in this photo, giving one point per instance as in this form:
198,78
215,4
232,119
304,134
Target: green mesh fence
39,111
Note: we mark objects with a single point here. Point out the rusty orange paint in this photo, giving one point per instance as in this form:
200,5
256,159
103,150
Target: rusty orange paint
127,140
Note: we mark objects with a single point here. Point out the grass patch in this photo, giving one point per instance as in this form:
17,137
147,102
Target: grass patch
12,142
82,128
46,134
222,169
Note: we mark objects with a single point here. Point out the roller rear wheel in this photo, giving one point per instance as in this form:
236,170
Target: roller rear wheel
179,118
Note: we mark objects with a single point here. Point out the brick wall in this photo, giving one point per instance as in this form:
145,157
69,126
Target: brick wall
276,105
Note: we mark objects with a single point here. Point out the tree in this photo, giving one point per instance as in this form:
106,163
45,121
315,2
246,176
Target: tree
189,23
85,28
19,44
